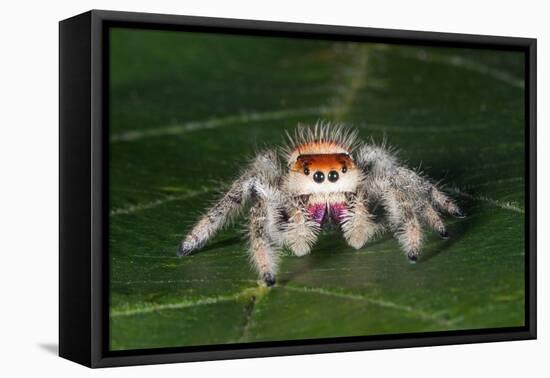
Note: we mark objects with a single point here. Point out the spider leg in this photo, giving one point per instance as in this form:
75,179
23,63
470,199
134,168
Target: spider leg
358,225
300,233
443,202
404,222
410,237
263,252
407,197
256,181
433,219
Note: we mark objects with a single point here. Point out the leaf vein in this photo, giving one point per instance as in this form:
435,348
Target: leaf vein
158,202
378,302
479,197
213,123
145,308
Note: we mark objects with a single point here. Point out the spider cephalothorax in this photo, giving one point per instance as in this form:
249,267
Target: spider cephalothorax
329,178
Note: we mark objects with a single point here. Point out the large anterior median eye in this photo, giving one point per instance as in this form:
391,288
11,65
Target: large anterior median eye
318,177
333,176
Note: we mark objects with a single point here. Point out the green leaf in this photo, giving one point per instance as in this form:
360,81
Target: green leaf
187,112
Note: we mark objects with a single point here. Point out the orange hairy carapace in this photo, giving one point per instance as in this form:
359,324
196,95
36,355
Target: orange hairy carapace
323,162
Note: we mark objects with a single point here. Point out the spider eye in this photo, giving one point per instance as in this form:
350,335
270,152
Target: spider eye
333,176
306,171
318,177
344,169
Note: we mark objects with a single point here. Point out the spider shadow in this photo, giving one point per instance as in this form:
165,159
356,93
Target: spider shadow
332,243
226,242
329,244
457,229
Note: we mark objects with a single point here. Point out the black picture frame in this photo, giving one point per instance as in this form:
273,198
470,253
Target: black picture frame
83,196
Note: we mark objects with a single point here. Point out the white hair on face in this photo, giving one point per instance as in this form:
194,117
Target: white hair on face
299,184
322,138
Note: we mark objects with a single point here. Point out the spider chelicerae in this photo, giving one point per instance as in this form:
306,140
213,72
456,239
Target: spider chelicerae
329,177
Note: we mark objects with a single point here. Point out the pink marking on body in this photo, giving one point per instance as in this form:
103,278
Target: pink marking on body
317,212
337,211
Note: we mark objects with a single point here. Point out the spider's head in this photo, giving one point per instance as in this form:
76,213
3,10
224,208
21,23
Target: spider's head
323,173
319,160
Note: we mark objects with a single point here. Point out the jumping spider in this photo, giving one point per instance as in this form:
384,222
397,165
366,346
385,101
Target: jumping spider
330,177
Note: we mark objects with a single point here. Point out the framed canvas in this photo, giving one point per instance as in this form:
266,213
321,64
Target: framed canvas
234,188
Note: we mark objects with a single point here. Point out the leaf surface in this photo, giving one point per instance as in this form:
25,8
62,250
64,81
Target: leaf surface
188,111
